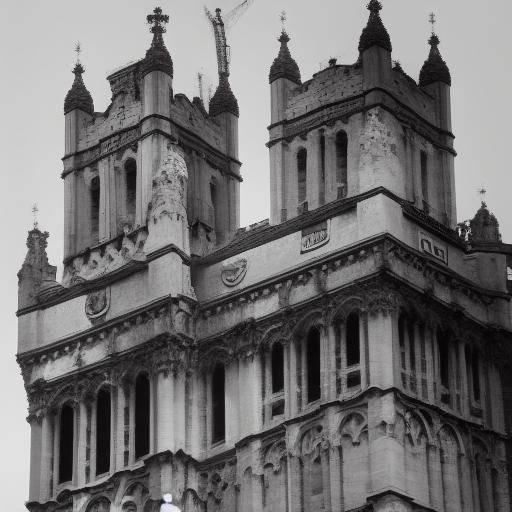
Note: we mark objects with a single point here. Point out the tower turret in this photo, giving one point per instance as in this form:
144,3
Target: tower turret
284,76
78,105
375,48
435,79
484,226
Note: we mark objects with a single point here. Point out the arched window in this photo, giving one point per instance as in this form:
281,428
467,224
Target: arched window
302,158
218,404
341,163
142,411
277,367
66,443
103,428
130,168
95,209
313,365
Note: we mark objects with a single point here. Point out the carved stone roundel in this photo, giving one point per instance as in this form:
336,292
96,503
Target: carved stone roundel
234,273
97,303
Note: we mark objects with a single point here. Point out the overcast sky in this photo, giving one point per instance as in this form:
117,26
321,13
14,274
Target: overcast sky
36,46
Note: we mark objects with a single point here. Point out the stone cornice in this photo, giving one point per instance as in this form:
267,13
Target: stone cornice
140,315
356,104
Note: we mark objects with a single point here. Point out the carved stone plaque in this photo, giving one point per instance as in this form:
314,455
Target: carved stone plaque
97,303
315,236
436,249
234,273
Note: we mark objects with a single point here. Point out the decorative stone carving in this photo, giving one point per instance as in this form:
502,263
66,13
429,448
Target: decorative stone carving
97,303
315,236
233,273
99,505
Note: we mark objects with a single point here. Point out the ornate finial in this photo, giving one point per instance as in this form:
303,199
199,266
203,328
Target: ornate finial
374,6
35,211
482,191
157,19
282,19
432,20
78,51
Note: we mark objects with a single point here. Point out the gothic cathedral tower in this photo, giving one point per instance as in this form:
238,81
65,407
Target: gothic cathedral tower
348,354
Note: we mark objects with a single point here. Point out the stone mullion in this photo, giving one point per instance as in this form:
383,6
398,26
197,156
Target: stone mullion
331,361
113,430
257,493
131,425
152,412
287,383
179,410
364,351
435,477
104,210
295,487
94,438
326,477
266,360
331,183
56,445
258,398
119,429
465,392
313,170
467,501
35,457
294,384
325,363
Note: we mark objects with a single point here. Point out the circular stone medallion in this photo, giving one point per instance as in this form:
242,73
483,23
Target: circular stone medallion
97,303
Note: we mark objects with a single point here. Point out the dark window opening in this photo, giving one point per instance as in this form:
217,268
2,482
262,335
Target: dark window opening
277,368
66,444
322,168
444,359
142,412
353,351
103,427
475,370
354,379
316,477
412,346
130,168
424,179
278,408
218,404
95,209
302,157
341,163
313,365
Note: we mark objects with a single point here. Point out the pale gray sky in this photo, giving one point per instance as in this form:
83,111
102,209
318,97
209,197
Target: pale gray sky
36,49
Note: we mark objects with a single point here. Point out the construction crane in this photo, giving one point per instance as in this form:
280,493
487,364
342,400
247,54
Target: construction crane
219,25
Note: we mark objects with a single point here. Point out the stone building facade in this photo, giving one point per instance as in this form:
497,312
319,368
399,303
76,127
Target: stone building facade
349,354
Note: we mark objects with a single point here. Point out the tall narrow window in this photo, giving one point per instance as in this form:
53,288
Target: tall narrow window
218,404
322,167
214,217
444,366
66,444
142,411
402,321
424,179
341,163
313,365
475,375
277,368
103,427
130,168
95,209
353,351
302,157
411,326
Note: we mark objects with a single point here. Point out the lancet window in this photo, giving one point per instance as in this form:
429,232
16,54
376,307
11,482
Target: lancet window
95,209
66,443
218,404
313,366
142,414
302,157
103,431
341,163
130,168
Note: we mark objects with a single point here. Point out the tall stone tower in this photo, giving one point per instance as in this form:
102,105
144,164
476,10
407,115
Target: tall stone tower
351,353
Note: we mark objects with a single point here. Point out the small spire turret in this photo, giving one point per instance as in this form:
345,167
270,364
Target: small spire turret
224,100
375,33
157,57
435,68
284,66
484,226
78,97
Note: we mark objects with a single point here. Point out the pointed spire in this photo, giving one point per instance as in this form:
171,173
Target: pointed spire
78,96
484,226
157,57
375,33
435,68
224,100
284,66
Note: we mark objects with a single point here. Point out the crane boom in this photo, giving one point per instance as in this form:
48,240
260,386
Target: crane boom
219,25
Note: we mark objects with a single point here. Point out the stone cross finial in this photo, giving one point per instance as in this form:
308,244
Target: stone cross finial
78,51
432,20
482,191
282,18
157,20
35,211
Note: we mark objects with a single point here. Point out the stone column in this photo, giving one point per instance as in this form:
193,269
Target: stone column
82,444
35,457
104,213
435,477
313,170
257,397
295,490
287,382
257,493
467,493
179,411
336,479
165,424
56,446
47,435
